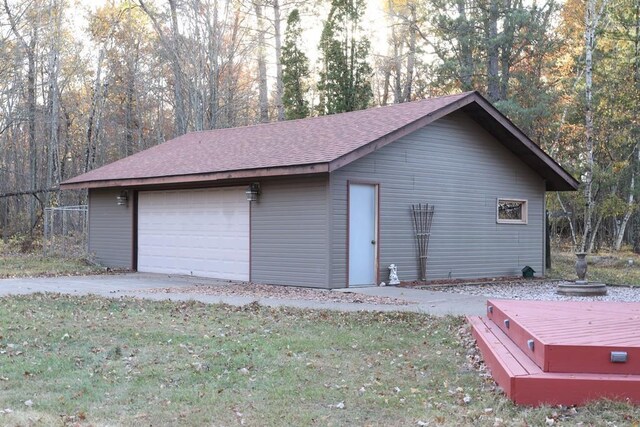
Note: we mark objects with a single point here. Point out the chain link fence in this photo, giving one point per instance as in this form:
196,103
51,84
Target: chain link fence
65,231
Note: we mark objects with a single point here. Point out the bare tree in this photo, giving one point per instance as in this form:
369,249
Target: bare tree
55,22
592,18
213,47
411,53
173,47
277,21
263,98
29,48
93,124
635,155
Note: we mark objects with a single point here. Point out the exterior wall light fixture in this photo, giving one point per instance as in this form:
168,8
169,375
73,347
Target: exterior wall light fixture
123,198
253,191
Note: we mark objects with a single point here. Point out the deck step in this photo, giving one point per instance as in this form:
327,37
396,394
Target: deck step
572,336
525,383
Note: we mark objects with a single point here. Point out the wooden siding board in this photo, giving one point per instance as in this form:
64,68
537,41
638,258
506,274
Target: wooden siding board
110,229
460,168
290,232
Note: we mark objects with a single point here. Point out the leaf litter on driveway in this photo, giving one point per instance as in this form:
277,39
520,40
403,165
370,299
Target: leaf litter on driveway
258,291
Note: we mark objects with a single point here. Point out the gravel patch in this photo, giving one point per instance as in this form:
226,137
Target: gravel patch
538,290
279,292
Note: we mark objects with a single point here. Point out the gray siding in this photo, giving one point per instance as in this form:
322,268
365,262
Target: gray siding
290,232
110,229
461,169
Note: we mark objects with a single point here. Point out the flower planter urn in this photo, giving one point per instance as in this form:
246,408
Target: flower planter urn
581,288
581,266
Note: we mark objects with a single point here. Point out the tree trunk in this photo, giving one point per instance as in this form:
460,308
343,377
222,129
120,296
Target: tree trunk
29,49
566,213
214,68
634,165
129,104
630,200
397,81
491,32
173,48
506,45
277,21
4,206
263,92
589,39
594,233
411,56
31,108
54,104
229,89
385,85
395,63
466,50
180,112
4,203
90,149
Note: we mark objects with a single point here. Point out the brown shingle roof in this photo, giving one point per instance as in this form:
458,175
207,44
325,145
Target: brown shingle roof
317,144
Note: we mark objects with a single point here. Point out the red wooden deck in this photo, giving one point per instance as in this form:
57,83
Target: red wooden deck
560,352
572,336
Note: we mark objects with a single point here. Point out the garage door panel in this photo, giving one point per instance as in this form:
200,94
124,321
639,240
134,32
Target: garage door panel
198,232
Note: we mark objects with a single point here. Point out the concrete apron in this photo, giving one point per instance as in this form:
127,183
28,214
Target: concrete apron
130,285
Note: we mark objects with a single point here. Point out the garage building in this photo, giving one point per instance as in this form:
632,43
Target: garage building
326,201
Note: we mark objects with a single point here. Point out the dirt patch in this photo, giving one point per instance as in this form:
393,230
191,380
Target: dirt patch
280,292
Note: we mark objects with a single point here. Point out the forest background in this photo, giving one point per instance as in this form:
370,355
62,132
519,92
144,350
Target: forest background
86,83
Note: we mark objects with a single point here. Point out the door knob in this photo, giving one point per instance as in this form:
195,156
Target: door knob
373,242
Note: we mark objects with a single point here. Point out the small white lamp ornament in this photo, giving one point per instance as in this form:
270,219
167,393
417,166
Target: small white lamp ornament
393,275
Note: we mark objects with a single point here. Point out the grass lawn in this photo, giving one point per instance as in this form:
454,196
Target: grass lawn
94,361
32,265
609,268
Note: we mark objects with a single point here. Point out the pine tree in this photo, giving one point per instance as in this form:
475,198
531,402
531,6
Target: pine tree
295,70
344,78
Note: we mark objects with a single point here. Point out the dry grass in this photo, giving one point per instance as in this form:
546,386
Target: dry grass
609,268
33,265
22,256
94,361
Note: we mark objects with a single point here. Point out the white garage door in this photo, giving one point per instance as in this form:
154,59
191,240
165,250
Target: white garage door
194,232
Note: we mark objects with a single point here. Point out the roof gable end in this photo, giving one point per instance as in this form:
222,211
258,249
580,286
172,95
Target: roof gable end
494,122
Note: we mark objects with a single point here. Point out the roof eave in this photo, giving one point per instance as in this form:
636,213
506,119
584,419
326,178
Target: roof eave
314,168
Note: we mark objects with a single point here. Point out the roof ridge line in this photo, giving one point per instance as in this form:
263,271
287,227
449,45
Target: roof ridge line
376,107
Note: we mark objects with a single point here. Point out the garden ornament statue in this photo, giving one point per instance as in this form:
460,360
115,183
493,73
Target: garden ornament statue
393,275
581,287
581,267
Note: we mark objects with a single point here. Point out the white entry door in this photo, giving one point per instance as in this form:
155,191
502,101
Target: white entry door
363,230
194,232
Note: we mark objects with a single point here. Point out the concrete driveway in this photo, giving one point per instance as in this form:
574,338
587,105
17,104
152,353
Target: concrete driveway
131,285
